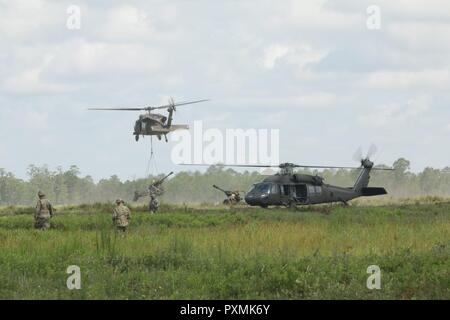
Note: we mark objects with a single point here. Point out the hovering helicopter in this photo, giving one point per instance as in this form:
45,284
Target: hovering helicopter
155,124
290,189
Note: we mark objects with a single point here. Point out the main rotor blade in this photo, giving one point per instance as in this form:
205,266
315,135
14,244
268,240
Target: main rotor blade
372,151
118,109
325,167
358,156
266,166
332,167
178,104
277,166
229,165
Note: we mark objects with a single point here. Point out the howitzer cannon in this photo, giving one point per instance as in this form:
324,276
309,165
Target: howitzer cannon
160,181
154,189
233,197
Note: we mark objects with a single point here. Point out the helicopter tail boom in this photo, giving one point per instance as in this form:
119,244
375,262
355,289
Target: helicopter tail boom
373,191
157,130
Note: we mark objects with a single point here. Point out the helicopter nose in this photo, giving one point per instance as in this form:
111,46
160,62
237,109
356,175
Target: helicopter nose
251,199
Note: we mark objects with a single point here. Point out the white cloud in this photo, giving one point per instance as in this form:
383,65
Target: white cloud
34,69
19,18
273,53
126,23
300,55
421,36
298,101
29,80
98,57
437,79
2,152
447,128
395,114
317,14
34,120
399,9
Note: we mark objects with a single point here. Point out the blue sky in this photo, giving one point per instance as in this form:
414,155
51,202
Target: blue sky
309,68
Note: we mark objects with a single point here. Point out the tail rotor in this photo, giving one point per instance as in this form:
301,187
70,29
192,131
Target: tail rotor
373,149
171,104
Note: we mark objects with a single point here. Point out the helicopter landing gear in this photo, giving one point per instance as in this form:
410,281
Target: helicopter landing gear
165,136
136,137
159,137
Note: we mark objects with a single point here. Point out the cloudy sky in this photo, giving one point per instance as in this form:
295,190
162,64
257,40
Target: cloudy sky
312,69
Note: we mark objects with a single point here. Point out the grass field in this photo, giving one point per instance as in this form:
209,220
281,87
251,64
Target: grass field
222,253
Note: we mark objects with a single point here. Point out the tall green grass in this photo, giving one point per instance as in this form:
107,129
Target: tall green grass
222,253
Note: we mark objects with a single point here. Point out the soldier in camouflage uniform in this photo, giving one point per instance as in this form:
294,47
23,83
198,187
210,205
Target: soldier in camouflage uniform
121,215
43,213
153,191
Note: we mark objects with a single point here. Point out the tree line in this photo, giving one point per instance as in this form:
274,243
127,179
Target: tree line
71,187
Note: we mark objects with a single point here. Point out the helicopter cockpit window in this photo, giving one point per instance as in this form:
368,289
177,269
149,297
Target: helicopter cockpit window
275,189
311,190
143,125
318,189
261,188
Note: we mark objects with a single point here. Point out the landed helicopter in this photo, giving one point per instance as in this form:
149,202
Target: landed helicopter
290,189
155,124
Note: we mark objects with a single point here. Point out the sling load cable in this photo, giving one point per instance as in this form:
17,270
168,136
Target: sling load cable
151,160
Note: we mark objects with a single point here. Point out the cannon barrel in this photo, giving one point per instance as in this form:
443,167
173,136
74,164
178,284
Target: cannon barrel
160,181
228,193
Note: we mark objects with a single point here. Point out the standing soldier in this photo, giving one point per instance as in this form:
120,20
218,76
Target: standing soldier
121,215
153,191
43,213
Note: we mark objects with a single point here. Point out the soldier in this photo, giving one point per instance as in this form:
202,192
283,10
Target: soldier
43,213
232,198
236,197
153,205
155,188
121,215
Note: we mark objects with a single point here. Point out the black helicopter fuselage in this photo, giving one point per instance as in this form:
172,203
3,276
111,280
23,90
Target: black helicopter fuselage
288,189
152,124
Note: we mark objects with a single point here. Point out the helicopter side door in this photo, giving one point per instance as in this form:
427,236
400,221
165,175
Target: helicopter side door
144,125
285,194
301,193
275,194
315,194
